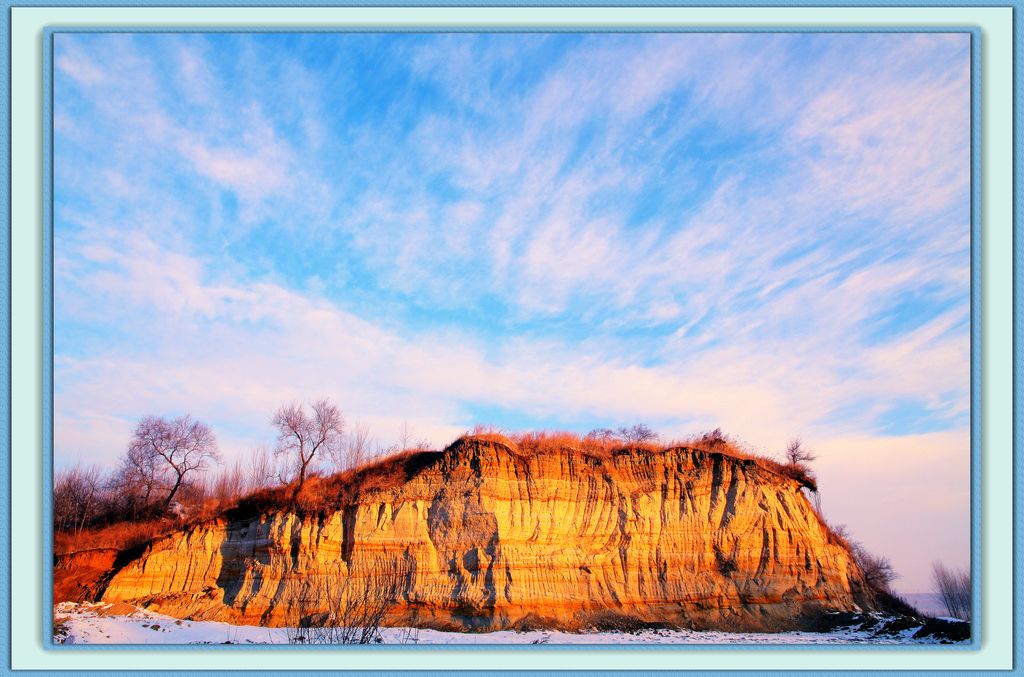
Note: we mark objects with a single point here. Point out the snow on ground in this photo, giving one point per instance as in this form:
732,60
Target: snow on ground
124,624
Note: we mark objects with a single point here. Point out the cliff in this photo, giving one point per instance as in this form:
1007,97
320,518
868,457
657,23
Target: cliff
480,537
81,576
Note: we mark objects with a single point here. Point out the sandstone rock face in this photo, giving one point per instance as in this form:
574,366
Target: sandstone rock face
482,538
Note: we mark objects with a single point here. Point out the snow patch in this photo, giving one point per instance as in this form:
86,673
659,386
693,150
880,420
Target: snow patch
95,624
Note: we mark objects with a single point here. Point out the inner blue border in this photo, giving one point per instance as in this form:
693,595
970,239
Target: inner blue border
47,298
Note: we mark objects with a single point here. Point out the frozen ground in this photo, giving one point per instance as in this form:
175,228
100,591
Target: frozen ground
123,624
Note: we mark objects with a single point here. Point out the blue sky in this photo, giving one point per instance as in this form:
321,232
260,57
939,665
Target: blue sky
766,233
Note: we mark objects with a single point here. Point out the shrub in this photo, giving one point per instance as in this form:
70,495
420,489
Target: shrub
351,613
954,588
487,433
716,442
892,603
877,570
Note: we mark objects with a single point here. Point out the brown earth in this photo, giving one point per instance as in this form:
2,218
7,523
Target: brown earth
77,576
484,538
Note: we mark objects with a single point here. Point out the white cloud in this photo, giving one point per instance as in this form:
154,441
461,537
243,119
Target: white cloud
253,174
73,61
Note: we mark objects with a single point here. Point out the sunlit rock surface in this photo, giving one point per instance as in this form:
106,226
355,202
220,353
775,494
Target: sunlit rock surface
482,538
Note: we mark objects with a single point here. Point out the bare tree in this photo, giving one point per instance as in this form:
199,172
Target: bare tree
954,588
602,435
230,483
139,479
180,447
301,436
407,443
637,434
878,571
355,451
260,471
404,436
796,454
76,497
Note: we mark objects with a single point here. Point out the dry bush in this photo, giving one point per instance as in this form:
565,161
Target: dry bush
598,443
878,571
317,493
954,588
487,433
385,473
536,443
837,535
120,536
230,484
637,434
407,442
331,492
355,450
716,442
354,612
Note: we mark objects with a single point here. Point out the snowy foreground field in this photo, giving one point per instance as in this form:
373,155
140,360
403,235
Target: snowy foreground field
123,624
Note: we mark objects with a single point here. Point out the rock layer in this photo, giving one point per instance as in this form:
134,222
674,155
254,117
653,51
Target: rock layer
479,537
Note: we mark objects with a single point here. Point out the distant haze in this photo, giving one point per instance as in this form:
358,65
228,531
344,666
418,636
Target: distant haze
767,233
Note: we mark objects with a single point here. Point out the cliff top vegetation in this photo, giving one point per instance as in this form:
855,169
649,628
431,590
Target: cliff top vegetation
93,512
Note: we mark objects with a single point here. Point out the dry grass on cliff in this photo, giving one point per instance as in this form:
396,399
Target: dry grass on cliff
333,492
541,442
119,536
533,443
836,536
336,491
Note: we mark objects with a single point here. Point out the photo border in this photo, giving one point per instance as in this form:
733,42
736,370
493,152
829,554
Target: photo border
49,35
976,251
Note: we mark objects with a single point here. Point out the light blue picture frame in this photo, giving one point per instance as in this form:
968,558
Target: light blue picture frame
43,296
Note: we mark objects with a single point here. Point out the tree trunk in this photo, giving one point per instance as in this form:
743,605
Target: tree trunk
302,480
174,490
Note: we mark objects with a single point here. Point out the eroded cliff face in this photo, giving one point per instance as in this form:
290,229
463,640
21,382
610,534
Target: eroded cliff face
81,576
483,538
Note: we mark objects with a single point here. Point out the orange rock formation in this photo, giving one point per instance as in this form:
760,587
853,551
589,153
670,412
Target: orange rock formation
484,538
